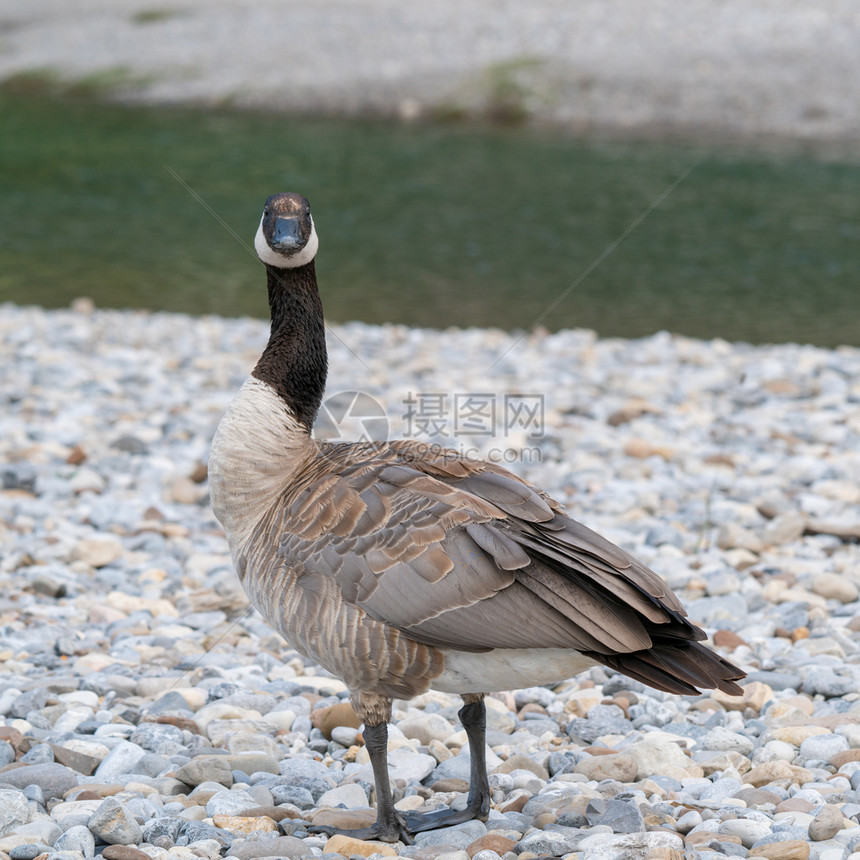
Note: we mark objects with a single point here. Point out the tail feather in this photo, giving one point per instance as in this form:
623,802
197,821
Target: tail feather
677,668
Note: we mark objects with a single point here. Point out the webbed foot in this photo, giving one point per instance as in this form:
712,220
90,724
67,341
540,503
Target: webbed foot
393,830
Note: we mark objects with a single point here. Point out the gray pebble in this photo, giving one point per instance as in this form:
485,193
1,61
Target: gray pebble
53,779
163,831
77,838
282,846
822,747
122,759
294,794
229,803
114,824
721,789
197,831
549,843
35,793
7,753
620,815
825,682
28,851
458,836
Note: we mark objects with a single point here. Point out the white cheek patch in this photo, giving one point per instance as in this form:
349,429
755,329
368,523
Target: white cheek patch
282,261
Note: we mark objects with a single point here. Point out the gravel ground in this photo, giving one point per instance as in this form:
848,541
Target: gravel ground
784,68
146,711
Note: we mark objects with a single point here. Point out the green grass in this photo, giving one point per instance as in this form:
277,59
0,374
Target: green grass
426,225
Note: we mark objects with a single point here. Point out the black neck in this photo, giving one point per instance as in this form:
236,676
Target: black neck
294,361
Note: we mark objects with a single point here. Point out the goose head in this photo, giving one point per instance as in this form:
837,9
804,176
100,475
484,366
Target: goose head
286,237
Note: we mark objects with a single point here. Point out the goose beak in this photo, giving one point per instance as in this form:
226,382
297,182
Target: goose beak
286,235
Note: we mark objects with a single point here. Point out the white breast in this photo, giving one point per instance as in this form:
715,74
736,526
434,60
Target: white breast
508,669
255,450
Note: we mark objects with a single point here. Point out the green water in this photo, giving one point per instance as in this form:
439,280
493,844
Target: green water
427,225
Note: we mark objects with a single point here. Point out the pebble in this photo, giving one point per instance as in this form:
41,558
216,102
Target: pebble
53,779
349,847
350,796
826,824
208,768
458,836
76,838
281,846
141,704
622,768
113,823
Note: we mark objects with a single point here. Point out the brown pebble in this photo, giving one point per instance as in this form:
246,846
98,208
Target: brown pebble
659,821
618,767
728,639
516,803
349,847
199,473
757,797
622,702
94,791
276,813
123,852
522,762
12,736
179,722
530,708
490,842
794,804
345,819
76,456
241,825
450,784
600,751
704,837
840,758
88,795
793,849
80,762
342,714
799,633
544,819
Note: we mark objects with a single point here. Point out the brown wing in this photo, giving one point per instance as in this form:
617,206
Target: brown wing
465,555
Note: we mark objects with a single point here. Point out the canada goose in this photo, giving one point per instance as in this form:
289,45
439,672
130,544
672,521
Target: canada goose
401,568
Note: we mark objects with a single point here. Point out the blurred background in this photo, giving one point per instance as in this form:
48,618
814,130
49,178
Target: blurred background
689,165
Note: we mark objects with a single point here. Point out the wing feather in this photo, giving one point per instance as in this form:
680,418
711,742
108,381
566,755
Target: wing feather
465,555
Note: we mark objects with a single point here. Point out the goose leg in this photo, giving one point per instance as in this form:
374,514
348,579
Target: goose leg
388,826
473,716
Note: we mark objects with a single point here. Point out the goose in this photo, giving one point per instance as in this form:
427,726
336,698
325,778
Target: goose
400,567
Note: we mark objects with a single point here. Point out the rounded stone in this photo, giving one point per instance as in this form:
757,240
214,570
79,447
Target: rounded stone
206,768
343,714
620,767
823,747
52,778
349,795
77,838
826,824
112,823
748,831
